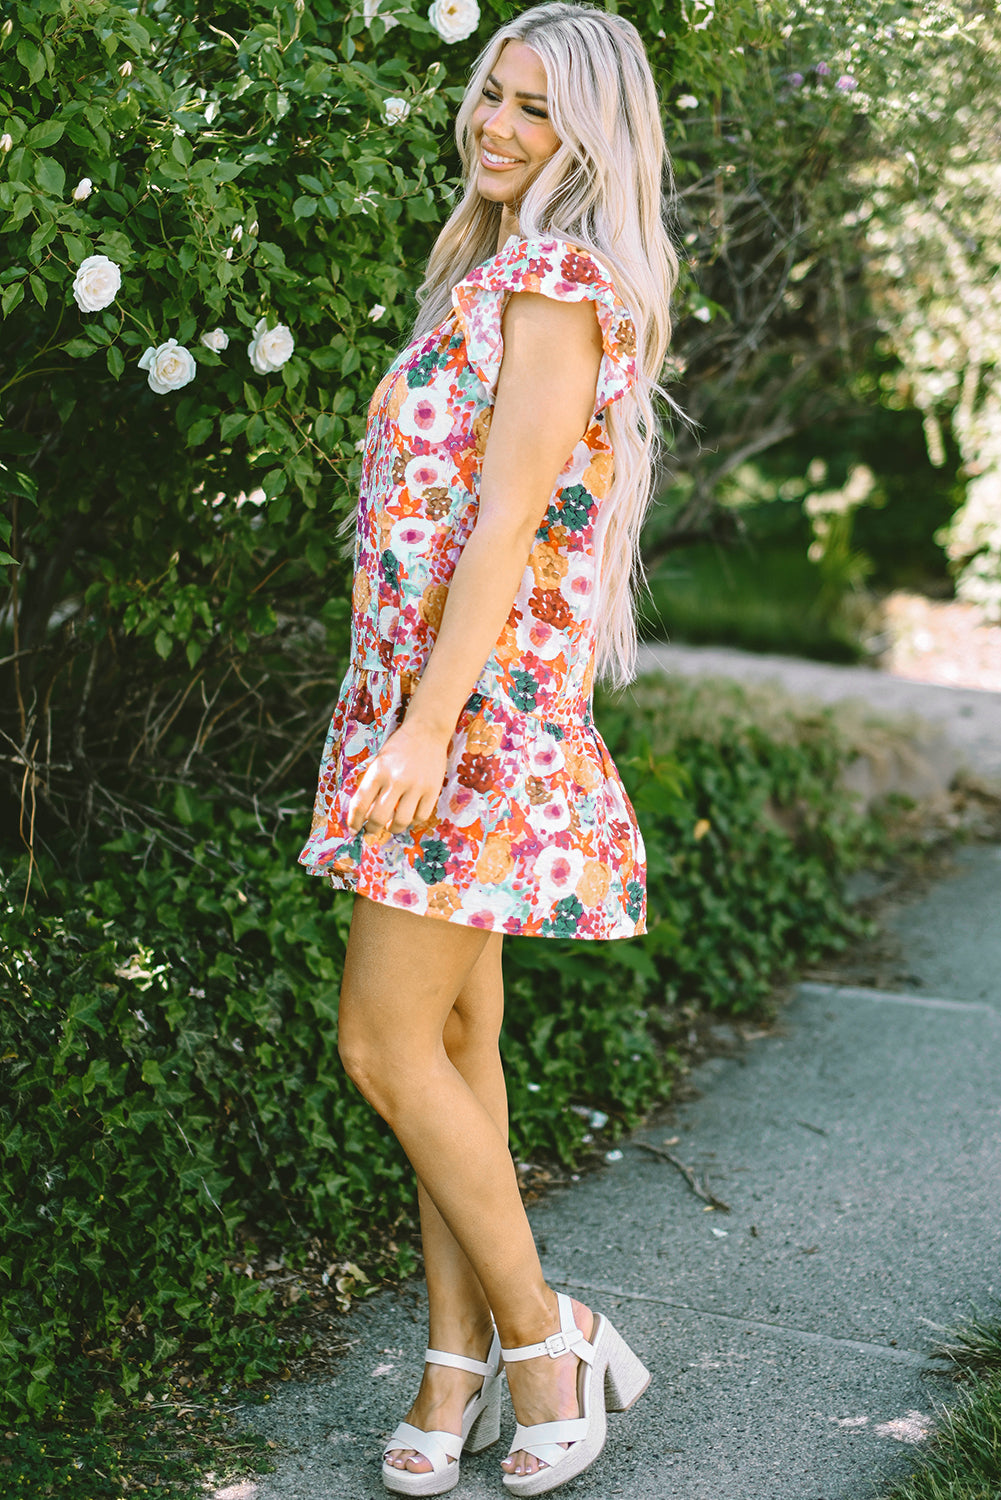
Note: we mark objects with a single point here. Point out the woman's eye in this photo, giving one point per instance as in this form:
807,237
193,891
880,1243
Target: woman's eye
537,114
494,98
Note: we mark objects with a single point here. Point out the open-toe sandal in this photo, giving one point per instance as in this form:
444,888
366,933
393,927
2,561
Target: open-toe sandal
443,1450
609,1377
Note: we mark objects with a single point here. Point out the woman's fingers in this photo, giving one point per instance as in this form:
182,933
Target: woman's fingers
365,806
404,813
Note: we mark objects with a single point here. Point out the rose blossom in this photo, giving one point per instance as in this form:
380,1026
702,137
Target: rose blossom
687,101
846,83
170,366
83,190
454,20
823,69
217,340
6,142
270,347
96,283
395,110
795,80
376,311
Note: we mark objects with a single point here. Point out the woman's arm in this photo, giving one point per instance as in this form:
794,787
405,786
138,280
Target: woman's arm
545,401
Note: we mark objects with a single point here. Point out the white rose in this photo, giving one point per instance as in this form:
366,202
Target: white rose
125,71
454,20
96,283
270,347
170,366
688,101
395,110
371,10
376,312
236,233
217,340
6,142
83,190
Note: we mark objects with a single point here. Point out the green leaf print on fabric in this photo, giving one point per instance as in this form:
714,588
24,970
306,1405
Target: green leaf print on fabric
431,864
575,509
525,690
420,374
634,899
391,569
556,730
566,914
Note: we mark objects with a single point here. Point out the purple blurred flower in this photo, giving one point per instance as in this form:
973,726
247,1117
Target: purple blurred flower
846,83
822,69
795,80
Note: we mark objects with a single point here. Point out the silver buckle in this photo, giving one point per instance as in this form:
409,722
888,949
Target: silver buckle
556,1344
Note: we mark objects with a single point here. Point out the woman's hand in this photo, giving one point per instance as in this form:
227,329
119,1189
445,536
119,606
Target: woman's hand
402,784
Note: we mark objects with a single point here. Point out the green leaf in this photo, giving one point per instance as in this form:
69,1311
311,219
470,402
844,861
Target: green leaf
41,137
180,150
32,59
274,482
232,424
50,176
116,361
12,296
199,431
39,290
304,208
163,644
152,1073
80,348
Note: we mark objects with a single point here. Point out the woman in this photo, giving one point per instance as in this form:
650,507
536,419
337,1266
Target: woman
464,792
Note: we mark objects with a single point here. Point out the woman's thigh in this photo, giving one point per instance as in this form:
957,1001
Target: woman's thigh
402,975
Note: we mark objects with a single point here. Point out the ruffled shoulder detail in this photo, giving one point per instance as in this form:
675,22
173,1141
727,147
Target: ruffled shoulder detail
555,268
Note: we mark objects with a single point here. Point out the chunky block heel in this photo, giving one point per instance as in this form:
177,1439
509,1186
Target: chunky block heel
626,1376
486,1429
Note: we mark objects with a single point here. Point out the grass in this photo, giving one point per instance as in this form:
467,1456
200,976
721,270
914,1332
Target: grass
963,1461
762,596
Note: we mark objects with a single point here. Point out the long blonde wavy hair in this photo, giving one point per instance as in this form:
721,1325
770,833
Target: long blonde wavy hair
604,189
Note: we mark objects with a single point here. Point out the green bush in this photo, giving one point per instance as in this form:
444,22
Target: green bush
169,1086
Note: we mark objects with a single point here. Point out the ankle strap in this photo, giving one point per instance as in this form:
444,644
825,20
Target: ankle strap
485,1367
569,1340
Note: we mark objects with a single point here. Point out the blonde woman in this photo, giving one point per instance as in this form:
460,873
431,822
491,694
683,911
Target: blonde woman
464,792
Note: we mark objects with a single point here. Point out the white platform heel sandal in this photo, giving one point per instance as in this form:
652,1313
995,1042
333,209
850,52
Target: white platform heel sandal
480,1428
610,1377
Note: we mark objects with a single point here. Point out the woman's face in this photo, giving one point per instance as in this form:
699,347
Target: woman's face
512,133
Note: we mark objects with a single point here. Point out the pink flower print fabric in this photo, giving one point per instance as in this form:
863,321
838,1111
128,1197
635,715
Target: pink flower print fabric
533,832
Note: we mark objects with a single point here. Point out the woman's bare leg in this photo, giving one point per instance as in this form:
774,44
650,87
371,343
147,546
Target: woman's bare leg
402,977
459,1315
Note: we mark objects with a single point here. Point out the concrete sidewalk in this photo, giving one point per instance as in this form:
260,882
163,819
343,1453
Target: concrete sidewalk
858,1146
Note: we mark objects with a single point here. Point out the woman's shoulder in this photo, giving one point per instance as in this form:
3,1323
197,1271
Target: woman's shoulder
550,264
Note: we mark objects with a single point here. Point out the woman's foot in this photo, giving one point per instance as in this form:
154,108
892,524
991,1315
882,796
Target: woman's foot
545,1390
441,1401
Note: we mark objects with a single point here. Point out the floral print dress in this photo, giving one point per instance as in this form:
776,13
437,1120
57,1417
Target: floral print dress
533,832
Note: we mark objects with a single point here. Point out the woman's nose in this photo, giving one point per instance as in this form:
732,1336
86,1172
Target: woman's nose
498,123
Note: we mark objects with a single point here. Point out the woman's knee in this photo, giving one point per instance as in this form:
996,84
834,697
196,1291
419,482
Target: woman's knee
470,1030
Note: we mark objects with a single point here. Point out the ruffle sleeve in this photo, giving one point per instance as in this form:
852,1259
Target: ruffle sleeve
557,269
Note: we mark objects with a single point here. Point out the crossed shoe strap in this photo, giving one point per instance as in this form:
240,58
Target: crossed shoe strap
437,1447
544,1440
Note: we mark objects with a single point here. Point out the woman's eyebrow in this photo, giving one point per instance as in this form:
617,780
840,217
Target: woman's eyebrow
519,94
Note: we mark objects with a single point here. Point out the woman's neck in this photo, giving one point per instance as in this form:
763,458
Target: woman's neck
508,226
